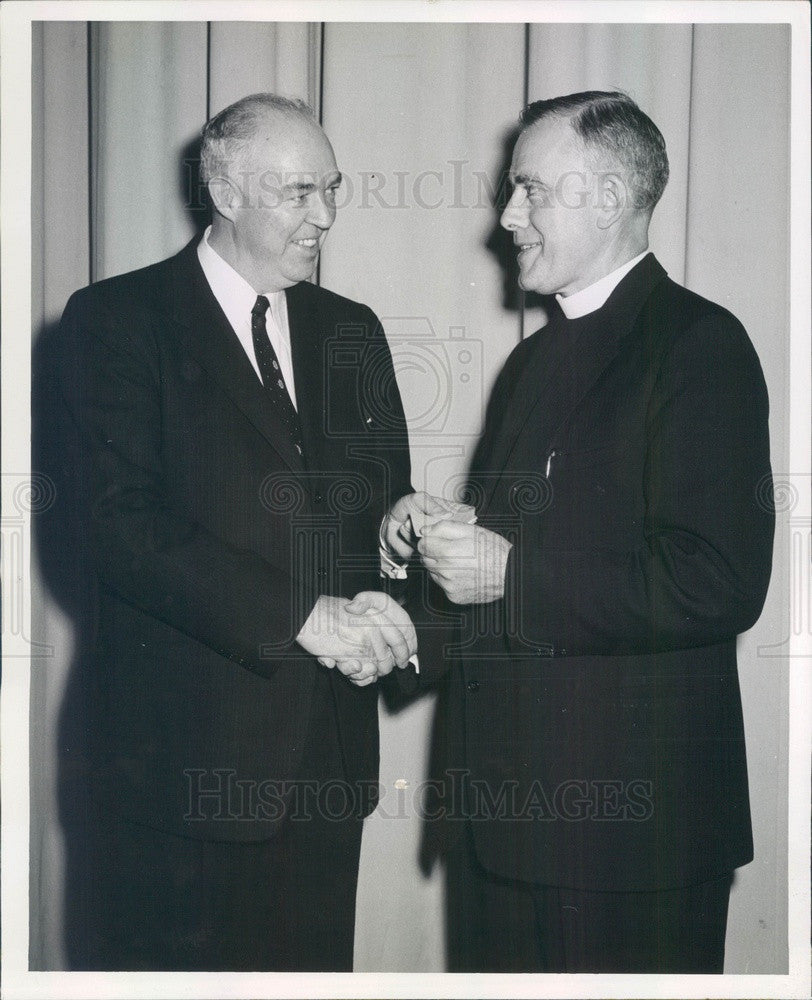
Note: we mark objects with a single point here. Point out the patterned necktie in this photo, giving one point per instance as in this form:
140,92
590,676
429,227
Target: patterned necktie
271,373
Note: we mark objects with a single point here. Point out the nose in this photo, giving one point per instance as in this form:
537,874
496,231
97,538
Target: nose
322,210
515,214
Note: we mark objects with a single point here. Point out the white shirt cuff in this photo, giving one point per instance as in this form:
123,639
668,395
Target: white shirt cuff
389,568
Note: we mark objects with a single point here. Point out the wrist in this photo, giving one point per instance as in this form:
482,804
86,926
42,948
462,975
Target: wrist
391,563
320,621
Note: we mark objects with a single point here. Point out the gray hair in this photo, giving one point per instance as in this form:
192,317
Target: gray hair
228,136
609,123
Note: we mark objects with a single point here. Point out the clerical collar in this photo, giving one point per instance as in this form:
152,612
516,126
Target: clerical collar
592,297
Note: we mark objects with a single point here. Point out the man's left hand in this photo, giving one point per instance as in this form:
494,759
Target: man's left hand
404,521
466,560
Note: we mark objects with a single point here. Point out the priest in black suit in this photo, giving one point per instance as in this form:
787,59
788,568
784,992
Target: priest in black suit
240,435
623,542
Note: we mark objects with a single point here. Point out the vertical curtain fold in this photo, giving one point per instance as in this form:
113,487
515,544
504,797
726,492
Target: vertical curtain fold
60,264
247,57
59,204
146,112
738,255
652,64
417,236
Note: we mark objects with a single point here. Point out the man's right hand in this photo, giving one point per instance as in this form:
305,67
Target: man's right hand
404,521
365,638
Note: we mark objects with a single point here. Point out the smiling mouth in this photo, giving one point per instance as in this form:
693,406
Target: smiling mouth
524,247
307,244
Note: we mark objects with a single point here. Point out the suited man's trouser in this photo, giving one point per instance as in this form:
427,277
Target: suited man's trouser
500,925
143,899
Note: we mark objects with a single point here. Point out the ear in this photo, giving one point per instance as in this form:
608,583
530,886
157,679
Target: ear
613,196
225,196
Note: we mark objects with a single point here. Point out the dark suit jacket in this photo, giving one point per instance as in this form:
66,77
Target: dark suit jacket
596,708
211,540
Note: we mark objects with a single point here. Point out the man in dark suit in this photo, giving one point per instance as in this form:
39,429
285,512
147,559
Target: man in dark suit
241,435
596,731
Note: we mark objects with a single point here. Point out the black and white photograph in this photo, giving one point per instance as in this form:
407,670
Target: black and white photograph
406,501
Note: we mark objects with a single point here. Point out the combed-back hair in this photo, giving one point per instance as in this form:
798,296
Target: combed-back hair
227,137
611,126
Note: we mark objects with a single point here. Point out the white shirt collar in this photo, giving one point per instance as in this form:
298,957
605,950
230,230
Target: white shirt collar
588,299
237,299
232,291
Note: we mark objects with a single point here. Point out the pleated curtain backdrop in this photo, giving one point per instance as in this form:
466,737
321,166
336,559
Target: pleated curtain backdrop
420,116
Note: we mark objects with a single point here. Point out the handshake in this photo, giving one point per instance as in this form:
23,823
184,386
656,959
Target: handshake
365,638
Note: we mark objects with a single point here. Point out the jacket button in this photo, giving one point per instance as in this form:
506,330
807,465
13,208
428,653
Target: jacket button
473,686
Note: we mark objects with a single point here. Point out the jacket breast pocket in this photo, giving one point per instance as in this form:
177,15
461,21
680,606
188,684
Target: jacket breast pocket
590,456
596,497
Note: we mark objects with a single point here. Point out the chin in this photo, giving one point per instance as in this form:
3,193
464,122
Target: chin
301,275
528,285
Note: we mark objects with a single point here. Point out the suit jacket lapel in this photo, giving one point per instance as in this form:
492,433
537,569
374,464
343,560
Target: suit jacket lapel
540,370
208,336
561,389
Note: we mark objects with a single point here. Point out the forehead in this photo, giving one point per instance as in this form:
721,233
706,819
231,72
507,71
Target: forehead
289,144
546,149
